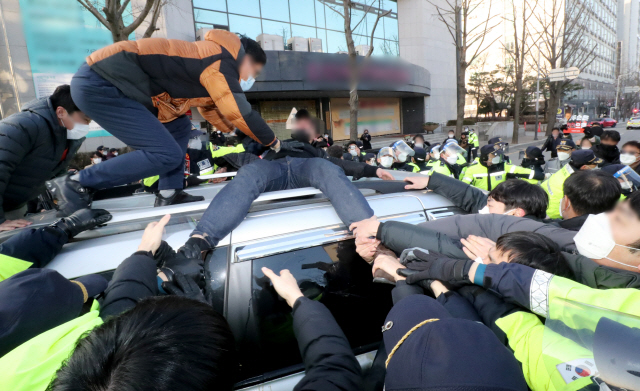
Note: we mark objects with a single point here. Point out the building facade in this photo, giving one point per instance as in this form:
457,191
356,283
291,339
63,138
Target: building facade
396,95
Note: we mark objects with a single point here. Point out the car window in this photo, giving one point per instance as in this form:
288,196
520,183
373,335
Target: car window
333,274
215,273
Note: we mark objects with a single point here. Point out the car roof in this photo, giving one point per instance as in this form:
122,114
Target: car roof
104,248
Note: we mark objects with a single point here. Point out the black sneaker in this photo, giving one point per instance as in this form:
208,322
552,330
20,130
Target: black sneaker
70,194
179,197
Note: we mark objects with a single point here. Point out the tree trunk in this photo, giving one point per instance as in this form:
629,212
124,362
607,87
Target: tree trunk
461,93
353,106
516,112
554,101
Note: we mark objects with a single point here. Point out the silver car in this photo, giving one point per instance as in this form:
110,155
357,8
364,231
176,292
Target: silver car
292,229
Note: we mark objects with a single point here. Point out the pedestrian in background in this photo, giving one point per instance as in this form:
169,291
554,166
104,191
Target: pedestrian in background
366,140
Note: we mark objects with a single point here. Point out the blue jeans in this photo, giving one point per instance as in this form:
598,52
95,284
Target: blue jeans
232,203
159,148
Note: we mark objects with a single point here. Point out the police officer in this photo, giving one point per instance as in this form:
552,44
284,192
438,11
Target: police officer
497,141
448,163
355,150
401,152
492,170
533,159
583,159
475,144
564,150
420,158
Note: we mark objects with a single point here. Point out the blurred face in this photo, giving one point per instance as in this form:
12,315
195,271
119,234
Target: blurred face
631,150
306,126
354,148
495,206
625,225
555,133
608,142
451,134
249,68
69,121
586,144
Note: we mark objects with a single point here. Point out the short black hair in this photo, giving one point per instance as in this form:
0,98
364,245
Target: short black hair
418,136
536,251
113,150
517,193
592,191
303,114
61,97
632,143
163,343
253,49
610,135
335,151
555,128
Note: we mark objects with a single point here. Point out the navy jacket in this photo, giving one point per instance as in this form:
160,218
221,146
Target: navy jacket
32,150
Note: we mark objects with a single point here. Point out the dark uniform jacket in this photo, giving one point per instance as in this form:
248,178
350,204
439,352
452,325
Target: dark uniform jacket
34,149
169,77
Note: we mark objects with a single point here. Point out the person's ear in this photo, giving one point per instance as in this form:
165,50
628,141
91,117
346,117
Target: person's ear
60,112
567,204
519,212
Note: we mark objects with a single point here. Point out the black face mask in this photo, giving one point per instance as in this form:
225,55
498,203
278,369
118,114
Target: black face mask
610,152
300,135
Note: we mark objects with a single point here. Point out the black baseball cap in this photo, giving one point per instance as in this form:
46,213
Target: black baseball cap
369,156
534,152
584,157
488,149
566,144
496,140
421,154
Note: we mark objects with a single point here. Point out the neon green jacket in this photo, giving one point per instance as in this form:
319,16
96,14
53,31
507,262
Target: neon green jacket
10,266
415,167
554,188
439,167
473,140
32,365
478,175
539,356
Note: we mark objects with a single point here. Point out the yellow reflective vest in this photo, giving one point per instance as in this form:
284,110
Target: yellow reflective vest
478,175
473,140
554,186
10,266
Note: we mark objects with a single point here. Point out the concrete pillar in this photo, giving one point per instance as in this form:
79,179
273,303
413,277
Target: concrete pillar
425,41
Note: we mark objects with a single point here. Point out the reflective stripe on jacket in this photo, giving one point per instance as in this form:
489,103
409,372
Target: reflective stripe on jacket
478,175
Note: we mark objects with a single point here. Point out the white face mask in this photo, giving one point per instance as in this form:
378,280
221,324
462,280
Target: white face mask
419,145
79,131
561,209
195,143
96,160
625,185
386,161
451,135
451,159
627,158
485,210
326,136
247,84
402,157
592,139
115,154
495,160
563,156
595,240
436,155
372,162
353,152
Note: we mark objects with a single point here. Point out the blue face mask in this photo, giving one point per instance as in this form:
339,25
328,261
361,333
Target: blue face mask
247,84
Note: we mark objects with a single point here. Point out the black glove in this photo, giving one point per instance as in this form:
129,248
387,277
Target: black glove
451,271
291,146
194,248
82,220
183,286
190,267
163,253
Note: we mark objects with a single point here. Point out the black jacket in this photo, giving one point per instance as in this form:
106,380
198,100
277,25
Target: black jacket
466,197
355,169
328,359
573,224
399,236
33,145
550,144
134,279
609,153
366,141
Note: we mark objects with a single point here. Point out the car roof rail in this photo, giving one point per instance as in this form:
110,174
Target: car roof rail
384,187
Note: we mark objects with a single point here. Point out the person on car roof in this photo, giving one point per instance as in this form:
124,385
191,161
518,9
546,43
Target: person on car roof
124,87
307,166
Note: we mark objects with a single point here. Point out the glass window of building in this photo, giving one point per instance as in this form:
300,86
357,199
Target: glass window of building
205,16
304,12
320,12
275,9
244,7
216,5
336,42
249,27
277,28
303,31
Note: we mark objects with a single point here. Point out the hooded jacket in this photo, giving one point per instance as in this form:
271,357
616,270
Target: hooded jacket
170,76
34,149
